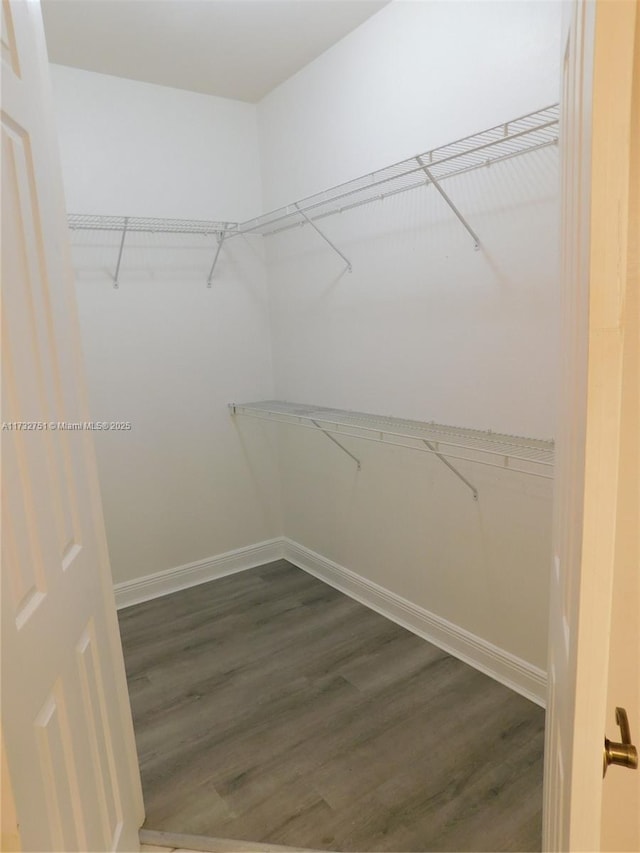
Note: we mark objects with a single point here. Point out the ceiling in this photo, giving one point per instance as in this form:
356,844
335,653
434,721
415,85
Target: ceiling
238,49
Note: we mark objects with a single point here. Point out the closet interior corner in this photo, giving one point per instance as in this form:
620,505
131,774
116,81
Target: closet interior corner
330,521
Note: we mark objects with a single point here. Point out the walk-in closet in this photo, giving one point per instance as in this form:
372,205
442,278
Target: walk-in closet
317,275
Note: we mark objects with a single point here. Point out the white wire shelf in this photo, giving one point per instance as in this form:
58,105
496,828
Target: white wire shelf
520,136
508,452
150,225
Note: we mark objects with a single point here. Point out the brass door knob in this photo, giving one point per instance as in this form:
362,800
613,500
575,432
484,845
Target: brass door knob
623,753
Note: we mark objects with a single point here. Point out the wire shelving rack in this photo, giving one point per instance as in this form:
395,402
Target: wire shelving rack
522,455
522,135
150,225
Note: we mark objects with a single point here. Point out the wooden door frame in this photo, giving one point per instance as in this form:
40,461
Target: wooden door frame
596,153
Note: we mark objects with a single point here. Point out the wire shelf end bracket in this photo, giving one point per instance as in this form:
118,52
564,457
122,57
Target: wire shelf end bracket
221,238
234,409
335,441
324,237
116,276
434,449
461,219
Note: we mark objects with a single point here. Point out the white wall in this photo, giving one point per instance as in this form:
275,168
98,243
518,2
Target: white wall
131,148
424,327
418,74
164,351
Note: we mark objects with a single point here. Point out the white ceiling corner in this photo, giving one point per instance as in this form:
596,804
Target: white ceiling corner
239,49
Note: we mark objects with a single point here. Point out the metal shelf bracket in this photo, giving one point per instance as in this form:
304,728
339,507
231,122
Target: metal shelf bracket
463,221
221,238
335,441
433,448
234,411
116,276
324,237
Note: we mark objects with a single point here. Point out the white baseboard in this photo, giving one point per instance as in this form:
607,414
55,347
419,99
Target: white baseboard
192,574
512,671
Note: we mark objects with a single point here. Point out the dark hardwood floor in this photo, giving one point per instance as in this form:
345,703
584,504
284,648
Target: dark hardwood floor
269,707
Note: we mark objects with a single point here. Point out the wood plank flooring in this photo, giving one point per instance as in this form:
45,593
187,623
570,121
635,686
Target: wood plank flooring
269,707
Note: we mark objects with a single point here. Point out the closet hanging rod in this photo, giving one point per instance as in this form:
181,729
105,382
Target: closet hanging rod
522,135
514,453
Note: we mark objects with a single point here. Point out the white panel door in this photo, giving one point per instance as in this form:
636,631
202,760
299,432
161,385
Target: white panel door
66,718
596,508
